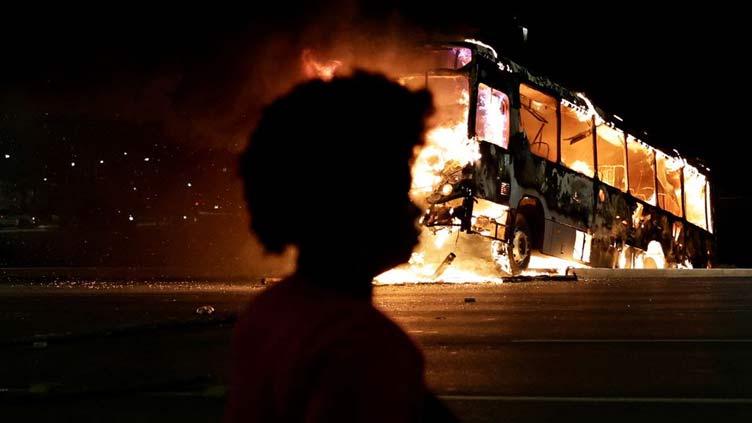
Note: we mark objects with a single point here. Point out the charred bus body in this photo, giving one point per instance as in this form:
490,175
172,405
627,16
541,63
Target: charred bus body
551,173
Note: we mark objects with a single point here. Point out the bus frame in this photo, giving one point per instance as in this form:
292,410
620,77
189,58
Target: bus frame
544,205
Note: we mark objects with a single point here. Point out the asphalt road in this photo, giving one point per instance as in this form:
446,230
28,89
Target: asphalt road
675,349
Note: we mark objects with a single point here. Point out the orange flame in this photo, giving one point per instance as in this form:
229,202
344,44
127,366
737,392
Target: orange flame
315,68
447,146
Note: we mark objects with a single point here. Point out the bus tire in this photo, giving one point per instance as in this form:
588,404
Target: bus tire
519,250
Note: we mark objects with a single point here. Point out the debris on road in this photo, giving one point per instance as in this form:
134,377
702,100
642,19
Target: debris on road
269,280
444,264
205,309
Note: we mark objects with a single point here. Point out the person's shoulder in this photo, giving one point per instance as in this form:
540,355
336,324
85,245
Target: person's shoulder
284,291
301,305
375,332
270,301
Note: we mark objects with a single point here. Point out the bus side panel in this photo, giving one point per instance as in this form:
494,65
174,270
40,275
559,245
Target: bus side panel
691,245
707,256
621,220
610,225
559,240
682,243
568,194
490,172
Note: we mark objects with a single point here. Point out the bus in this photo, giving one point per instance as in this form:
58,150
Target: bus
538,169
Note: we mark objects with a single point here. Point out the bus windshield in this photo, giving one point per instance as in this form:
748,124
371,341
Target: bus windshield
444,58
451,97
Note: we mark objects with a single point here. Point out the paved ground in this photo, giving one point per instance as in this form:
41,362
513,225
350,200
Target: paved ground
673,349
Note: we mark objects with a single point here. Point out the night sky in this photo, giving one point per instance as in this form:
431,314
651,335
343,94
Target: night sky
183,87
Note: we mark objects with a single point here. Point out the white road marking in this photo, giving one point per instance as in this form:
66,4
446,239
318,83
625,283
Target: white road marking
635,341
667,400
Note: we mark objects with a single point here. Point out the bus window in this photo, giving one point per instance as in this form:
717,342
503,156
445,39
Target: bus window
451,96
695,184
669,170
611,150
576,140
492,117
641,172
448,58
538,120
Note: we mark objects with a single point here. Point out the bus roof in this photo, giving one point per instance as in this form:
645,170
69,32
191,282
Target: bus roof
523,74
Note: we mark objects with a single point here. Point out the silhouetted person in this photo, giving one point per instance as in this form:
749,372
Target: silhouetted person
328,170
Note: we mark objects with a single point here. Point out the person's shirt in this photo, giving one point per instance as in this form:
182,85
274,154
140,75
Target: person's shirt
307,353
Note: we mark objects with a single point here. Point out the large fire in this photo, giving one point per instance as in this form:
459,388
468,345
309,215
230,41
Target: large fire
447,145
446,254
316,68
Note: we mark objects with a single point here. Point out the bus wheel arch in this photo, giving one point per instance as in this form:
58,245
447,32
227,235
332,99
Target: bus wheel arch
526,236
532,210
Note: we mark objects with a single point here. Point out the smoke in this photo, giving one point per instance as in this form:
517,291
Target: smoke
201,80
221,109
184,93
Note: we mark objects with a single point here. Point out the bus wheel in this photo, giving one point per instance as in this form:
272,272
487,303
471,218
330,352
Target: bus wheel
519,250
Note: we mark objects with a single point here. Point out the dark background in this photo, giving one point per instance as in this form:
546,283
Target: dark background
182,86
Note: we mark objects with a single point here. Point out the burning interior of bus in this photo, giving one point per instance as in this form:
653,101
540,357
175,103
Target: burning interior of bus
537,178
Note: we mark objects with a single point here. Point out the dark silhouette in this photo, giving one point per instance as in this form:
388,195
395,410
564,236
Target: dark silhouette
328,170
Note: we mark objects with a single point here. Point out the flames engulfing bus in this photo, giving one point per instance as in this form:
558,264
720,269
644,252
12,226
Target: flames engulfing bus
544,170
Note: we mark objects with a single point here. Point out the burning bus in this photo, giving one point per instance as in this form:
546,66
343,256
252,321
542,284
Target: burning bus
537,170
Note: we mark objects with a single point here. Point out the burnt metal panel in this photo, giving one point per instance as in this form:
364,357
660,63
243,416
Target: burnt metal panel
610,225
489,173
559,240
568,194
